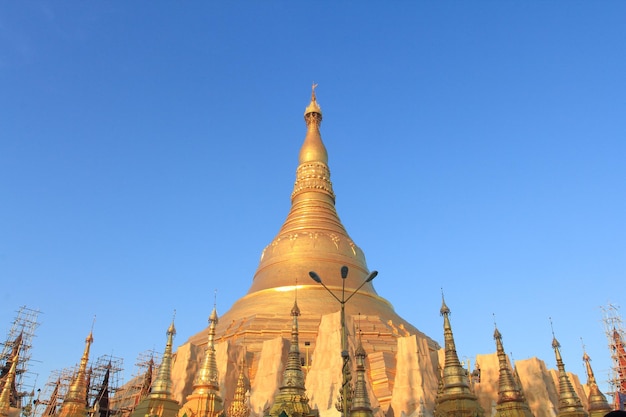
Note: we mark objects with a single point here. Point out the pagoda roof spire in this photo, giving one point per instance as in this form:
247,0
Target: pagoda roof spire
162,386
160,402
208,376
454,395
361,406
313,107
313,149
205,400
511,401
291,398
239,406
598,404
569,402
74,403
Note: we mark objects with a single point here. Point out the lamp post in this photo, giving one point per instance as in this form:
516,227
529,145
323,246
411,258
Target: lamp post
345,385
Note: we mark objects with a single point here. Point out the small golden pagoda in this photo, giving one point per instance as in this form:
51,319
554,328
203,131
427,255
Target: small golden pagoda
205,400
598,405
511,401
569,402
455,398
239,407
361,406
291,399
75,401
6,409
160,402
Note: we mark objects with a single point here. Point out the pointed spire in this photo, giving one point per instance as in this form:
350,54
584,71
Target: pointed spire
313,173
207,378
452,363
162,386
511,402
205,400
239,406
101,402
160,402
313,107
361,406
598,404
313,149
569,402
518,381
5,395
74,404
291,398
455,395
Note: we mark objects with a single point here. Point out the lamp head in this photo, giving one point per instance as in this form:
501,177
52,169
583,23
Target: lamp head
371,276
344,272
315,277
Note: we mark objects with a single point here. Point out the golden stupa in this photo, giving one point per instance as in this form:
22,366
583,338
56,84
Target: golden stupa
312,238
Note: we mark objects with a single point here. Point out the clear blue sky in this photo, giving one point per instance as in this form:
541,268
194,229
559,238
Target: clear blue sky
148,152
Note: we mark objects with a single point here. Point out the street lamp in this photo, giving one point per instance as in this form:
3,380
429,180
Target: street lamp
345,385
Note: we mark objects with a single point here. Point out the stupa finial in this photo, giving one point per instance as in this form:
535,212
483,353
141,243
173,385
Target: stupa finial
313,107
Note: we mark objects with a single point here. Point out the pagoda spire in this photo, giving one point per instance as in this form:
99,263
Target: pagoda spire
205,400
511,402
455,398
74,403
569,402
518,381
312,229
291,398
207,377
598,404
101,402
361,406
9,382
239,406
162,386
160,402
313,149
